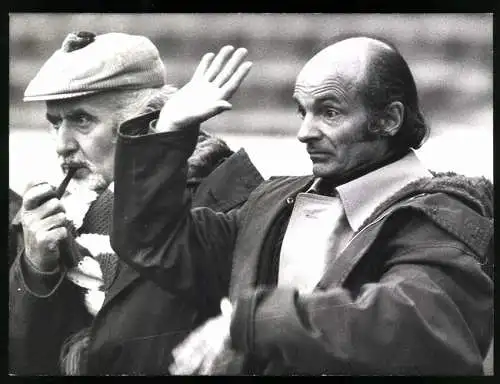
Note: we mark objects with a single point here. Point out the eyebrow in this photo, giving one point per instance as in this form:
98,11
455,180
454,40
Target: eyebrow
322,99
78,112
71,114
330,97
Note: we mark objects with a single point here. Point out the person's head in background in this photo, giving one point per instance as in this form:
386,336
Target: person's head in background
91,85
359,106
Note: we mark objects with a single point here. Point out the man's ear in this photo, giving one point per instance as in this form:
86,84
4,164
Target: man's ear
393,119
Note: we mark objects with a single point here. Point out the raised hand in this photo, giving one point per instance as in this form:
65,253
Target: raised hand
215,80
43,220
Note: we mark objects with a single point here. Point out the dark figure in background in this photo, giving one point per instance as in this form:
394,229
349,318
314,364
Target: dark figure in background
372,265
84,319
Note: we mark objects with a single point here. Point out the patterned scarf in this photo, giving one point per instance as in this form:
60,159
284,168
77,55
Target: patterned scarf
96,269
95,272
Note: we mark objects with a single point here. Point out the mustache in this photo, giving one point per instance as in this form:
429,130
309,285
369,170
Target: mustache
72,163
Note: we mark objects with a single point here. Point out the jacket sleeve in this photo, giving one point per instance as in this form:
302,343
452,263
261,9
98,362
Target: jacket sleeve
41,320
183,250
15,202
425,315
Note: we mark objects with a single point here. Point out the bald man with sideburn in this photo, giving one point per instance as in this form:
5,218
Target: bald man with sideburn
371,265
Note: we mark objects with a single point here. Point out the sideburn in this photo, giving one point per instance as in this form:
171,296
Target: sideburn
372,130
366,134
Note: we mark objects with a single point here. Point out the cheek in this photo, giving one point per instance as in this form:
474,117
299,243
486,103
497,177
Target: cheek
99,147
342,137
350,133
349,146
107,153
104,160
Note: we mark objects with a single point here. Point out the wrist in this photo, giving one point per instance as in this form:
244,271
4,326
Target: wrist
37,283
165,124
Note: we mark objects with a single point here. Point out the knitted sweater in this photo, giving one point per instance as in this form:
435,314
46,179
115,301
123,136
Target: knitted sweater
97,264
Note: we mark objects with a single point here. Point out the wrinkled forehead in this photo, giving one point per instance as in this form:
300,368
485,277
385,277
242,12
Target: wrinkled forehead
339,65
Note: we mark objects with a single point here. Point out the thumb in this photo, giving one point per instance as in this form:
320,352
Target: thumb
216,108
224,105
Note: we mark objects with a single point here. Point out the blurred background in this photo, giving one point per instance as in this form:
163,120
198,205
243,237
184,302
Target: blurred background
451,56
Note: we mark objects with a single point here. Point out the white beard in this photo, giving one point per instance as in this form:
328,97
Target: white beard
76,202
92,182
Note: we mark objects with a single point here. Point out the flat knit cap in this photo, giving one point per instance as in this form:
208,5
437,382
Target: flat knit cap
87,64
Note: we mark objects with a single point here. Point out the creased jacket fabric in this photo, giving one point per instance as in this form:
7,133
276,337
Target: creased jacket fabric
15,202
139,323
410,294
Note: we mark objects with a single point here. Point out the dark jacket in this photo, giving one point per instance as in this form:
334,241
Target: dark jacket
408,295
15,202
128,335
140,323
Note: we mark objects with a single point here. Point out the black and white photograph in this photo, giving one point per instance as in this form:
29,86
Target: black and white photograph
251,194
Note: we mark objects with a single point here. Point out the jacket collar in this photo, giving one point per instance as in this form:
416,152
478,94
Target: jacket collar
461,205
362,195
229,184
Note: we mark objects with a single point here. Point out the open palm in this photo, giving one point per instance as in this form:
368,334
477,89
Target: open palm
215,80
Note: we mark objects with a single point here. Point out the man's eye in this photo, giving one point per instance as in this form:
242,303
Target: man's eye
300,112
330,113
81,120
55,123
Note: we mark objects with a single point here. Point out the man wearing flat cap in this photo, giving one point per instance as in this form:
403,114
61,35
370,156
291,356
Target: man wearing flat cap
73,304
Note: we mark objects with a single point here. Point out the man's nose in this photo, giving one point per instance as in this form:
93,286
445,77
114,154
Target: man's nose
308,130
65,140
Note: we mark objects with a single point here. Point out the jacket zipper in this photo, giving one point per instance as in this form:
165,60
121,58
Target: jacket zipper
363,229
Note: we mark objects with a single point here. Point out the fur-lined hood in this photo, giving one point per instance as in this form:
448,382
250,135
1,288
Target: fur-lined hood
210,151
474,192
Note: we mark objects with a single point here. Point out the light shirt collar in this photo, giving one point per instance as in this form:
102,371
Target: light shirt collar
362,195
